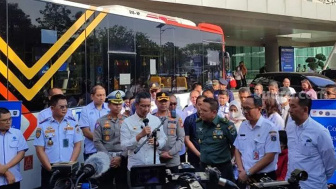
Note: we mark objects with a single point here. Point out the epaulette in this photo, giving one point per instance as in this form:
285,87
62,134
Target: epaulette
223,120
45,120
198,119
71,118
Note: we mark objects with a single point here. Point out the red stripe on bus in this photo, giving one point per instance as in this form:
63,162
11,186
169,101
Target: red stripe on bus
25,112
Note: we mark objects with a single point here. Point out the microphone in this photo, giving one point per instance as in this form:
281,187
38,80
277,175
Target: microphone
96,165
214,176
146,120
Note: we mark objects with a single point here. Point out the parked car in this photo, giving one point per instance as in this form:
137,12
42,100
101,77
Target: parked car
331,73
318,81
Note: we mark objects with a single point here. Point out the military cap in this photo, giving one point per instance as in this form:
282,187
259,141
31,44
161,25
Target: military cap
222,81
162,96
116,97
215,82
154,86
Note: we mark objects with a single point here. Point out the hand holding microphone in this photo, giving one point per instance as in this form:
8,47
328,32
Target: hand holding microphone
146,130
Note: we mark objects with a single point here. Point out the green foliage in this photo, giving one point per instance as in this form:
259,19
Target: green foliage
315,62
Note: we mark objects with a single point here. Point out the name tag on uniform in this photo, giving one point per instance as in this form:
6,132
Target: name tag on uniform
65,143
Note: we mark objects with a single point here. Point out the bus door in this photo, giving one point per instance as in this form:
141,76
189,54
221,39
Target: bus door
121,67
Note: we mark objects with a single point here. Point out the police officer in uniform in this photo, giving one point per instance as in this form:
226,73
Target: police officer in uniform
58,138
106,138
215,136
173,128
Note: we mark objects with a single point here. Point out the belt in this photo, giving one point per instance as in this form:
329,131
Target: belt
115,154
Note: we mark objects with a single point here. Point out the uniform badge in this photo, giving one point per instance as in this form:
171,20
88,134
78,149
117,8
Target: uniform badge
77,130
106,137
50,142
38,132
97,125
232,129
273,135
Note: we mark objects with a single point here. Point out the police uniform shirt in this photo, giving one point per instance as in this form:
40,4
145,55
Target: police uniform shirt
11,143
173,128
310,148
46,113
254,143
215,139
106,137
129,129
58,139
88,118
223,111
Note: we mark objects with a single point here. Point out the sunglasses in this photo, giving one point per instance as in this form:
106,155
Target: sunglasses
153,91
329,93
173,104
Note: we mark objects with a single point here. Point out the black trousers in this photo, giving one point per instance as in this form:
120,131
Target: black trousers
15,185
117,175
226,170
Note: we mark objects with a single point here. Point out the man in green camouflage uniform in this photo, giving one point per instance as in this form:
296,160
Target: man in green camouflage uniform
106,138
215,136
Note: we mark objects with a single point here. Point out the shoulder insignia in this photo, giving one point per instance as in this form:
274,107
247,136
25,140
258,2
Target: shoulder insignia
38,132
77,129
273,135
232,129
198,119
224,120
44,120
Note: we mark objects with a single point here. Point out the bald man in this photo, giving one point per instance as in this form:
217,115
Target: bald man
286,83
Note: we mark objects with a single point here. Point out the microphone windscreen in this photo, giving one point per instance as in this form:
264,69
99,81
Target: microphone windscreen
100,161
146,121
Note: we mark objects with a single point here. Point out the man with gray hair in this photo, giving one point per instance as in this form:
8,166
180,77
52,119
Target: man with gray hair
244,92
191,109
273,90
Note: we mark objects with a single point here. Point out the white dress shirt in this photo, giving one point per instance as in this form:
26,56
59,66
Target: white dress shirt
129,129
264,138
277,120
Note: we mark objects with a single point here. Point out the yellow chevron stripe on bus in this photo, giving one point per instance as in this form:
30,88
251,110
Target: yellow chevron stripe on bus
31,72
30,93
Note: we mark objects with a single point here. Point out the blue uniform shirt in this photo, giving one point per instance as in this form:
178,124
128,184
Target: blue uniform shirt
310,148
88,118
58,139
11,143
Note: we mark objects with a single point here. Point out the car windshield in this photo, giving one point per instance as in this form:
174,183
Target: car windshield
319,81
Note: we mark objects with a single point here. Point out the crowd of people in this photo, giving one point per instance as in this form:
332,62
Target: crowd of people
258,135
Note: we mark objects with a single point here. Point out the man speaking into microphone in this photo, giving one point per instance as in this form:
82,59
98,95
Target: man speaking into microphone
134,132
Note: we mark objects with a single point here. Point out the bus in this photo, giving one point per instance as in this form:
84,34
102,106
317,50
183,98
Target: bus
49,43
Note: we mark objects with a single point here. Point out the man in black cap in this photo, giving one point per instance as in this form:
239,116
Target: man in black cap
223,86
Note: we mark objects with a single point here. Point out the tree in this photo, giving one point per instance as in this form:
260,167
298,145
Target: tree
315,62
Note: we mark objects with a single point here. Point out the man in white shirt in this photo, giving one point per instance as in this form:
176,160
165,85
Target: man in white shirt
310,146
191,109
257,144
286,83
134,132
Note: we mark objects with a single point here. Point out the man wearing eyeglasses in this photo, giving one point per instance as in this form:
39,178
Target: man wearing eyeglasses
57,139
330,92
12,149
257,144
134,132
46,113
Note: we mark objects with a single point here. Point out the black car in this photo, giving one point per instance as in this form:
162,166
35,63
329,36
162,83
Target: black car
331,73
318,81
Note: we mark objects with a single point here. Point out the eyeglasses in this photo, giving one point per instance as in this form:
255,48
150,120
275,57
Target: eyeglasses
6,120
62,107
173,104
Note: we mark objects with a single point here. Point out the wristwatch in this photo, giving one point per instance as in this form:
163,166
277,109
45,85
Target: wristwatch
248,173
